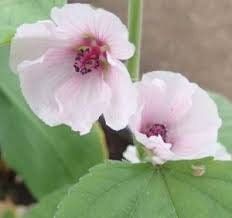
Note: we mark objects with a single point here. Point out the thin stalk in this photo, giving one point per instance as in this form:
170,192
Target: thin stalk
135,17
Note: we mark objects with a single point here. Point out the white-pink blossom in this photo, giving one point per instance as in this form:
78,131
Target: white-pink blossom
175,119
131,155
70,67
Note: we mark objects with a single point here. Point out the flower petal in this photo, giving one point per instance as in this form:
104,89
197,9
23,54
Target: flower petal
123,100
110,29
79,20
31,41
197,132
40,79
151,99
73,19
162,154
178,98
161,150
83,99
131,154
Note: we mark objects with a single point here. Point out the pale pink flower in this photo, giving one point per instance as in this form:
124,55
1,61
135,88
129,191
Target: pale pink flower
70,69
175,119
131,154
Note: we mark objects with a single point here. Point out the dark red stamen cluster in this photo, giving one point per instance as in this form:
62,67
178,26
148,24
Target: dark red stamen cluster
88,59
156,130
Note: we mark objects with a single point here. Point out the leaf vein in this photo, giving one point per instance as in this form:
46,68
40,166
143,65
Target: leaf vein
169,193
205,194
137,196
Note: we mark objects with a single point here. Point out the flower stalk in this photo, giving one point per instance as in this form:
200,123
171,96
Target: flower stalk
135,17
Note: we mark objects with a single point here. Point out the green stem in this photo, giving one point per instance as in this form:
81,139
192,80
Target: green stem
135,17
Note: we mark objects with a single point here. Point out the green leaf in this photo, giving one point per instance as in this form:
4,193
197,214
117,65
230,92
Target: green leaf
123,190
225,112
6,33
47,206
16,12
47,158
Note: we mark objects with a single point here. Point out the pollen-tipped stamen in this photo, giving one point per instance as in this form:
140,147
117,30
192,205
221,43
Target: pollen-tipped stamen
156,130
90,57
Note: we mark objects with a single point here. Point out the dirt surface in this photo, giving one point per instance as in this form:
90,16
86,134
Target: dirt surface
188,36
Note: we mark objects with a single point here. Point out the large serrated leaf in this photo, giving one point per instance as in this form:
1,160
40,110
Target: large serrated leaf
16,12
123,190
47,158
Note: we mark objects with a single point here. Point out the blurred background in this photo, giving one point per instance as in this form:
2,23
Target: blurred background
189,36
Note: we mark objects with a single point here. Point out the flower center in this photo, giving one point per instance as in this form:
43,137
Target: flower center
91,56
156,130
